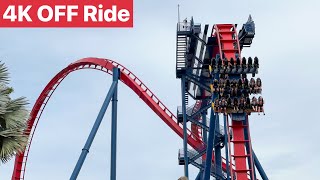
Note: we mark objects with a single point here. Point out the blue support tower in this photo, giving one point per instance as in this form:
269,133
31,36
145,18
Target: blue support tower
204,122
217,150
204,134
226,145
96,126
259,167
210,69
185,135
210,145
113,172
199,176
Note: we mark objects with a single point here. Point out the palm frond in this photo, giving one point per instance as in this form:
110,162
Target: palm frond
4,74
14,132
12,146
13,120
16,119
17,104
16,114
4,98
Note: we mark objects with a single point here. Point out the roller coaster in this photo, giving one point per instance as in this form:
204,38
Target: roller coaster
214,75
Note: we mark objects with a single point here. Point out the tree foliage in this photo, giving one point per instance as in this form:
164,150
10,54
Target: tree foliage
13,120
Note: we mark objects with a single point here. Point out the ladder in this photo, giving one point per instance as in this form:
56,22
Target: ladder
181,52
228,39
181,59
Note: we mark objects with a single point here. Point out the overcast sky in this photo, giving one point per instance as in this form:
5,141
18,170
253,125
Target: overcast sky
285,139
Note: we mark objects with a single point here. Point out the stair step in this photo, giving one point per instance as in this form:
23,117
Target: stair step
225,25
238,126
232,40
242,170
227,32
247,155
230,49
239,141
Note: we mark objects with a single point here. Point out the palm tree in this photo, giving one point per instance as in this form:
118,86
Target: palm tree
13,120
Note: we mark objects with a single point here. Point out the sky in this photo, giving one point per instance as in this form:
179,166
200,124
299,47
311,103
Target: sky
285,139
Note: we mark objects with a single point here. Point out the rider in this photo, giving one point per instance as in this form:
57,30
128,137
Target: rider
213,63
229,102
221,85
232,65
215,85
223,105
260,105
239,92
240,83
246,89
258,86
225,64
242,102
238,62
235,104
250,63
256,62
252,85
254,103
234,91
245,83
216,105
228,86
244,63
248,104
219,63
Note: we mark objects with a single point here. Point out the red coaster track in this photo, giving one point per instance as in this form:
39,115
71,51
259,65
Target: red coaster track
127,77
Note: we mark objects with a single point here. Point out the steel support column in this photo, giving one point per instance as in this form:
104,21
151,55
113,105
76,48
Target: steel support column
210,143
94,131
204,132
217,150
185,135
259,167
113,167
226,132
204,122
199,175
248,147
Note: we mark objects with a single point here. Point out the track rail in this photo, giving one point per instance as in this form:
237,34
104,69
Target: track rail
127,77
240,157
